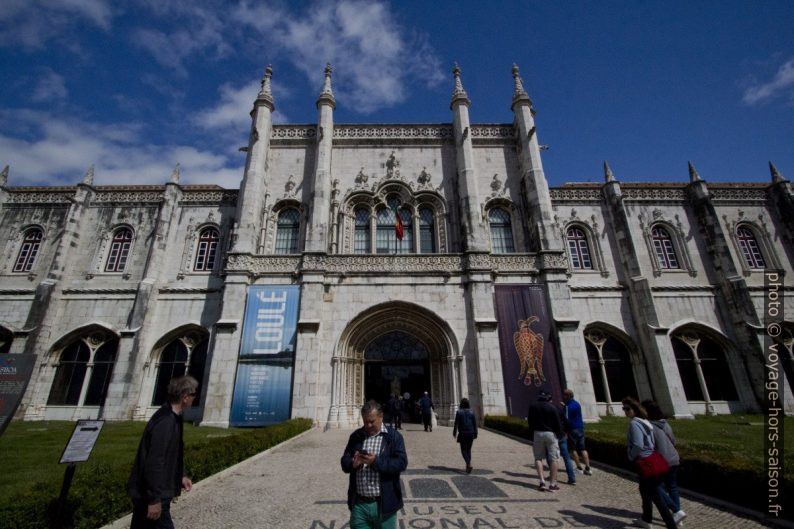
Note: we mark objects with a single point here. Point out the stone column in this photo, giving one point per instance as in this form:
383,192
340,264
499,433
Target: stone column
475,233
654,343
254,185
736,308
317,236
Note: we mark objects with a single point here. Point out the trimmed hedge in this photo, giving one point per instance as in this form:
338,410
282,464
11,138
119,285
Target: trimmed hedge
98,493
710,473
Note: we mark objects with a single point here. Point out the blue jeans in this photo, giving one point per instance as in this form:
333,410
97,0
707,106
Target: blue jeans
669,490
566,458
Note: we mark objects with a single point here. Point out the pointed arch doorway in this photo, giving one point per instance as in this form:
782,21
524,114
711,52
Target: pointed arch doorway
395,347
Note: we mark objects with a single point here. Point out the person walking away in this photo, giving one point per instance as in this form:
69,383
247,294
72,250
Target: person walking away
158,471
665,445
640,444
573,414
426,407
374,457
562,443
397,412
465,430
545,427
391,406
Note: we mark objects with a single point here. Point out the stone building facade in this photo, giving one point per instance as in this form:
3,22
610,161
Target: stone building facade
651,289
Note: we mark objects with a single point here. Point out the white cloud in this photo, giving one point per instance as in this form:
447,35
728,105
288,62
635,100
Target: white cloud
781,84
375,59
31,23
57,151
49,86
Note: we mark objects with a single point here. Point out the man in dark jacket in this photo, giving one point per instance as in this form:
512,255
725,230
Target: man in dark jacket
426,406
374,457
545,426
158,472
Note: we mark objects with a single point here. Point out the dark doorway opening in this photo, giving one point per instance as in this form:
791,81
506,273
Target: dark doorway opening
396,363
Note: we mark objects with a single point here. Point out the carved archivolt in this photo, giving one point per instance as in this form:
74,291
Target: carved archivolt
759,229
376,197
192,242
103,249
676,231
502,200
14,244
268,240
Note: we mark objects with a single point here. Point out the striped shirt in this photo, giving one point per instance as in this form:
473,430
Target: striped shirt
367,478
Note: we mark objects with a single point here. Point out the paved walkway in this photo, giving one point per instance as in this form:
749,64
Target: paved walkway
300,485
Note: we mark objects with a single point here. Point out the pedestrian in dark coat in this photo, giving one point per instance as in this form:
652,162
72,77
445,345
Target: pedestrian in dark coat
158,471
465,430
426,406
374,457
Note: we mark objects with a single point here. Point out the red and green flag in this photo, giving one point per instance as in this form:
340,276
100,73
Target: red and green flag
399,230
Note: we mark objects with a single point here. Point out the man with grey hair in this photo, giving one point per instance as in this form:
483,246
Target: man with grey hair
158,472
374,457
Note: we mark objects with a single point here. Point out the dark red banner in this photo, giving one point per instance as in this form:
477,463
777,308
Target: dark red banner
528,346
15,371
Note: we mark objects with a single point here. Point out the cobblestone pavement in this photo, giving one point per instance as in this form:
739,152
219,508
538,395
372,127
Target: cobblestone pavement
300,485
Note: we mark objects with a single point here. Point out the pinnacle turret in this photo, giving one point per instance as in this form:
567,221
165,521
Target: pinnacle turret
693,174
266,92
459,94
519,94
776,176
175,174
88,178
4,177
327,94
609,176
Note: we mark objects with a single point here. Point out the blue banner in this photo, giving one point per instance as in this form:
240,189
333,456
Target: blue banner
263,387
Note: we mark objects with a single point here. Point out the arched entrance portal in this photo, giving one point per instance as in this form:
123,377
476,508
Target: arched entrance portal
390,348
396,363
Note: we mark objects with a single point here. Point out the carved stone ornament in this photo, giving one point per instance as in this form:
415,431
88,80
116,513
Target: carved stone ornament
361,178
596,337
392,167
289,187
496,186
424,178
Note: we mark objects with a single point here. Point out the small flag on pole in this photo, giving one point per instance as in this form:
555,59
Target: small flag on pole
399,230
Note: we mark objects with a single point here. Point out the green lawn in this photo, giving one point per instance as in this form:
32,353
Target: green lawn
35,448
716,438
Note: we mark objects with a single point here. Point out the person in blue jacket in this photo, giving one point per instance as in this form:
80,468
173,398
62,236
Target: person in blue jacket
465,430
374,457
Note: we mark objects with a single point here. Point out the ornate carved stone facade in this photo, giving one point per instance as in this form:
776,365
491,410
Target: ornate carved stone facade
318,208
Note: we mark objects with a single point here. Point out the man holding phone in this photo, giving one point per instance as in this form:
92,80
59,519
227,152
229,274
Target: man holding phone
374,457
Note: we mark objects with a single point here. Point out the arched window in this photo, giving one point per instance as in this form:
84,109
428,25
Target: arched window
207,249
693,352
749,246
362,242
69,376
501,231
28,251
613,363
104,359
427,234
119,250
580,251
663,245
287,231
406,245
386,231
181,356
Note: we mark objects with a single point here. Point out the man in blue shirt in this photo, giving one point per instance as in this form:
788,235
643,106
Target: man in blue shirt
573,414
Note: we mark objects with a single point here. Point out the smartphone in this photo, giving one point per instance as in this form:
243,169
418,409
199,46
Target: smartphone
363,453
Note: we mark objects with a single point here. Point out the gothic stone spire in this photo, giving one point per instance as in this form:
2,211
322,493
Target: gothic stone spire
519,94
175,174
459,94
776,176
266,93
88,178
609,176
4,177
327,94
693,174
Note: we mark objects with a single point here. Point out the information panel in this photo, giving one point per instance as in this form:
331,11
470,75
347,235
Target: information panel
82,441
263,387
15,371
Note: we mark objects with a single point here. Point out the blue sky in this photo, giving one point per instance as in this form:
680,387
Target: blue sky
135,87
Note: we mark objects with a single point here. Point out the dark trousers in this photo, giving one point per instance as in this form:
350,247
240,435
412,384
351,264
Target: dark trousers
466,440
140,521
649,491
426,420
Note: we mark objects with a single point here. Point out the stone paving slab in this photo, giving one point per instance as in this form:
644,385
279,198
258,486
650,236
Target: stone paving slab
300,485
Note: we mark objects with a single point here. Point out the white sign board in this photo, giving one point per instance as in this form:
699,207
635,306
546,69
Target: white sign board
82,442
